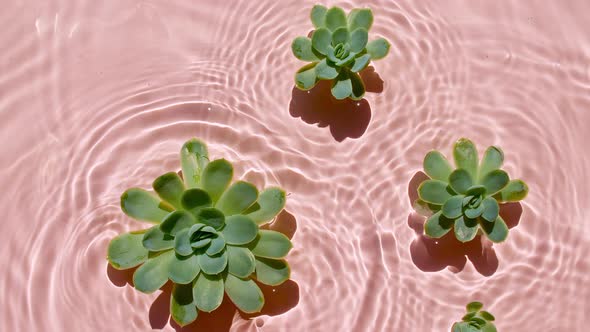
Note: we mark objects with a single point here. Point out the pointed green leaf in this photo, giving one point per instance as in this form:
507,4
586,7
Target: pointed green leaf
437,225
237,198
142,205
496,231
514,191
216,177
177,221
465,155
272,272
468,316
183,270
302,49
182,243
156,240
193,158
318,15
126,251
434,191
487,316
213,264
270,202
360,18
324,71
475,212
465,229
378,48
170,188
340,36
460,180
271,244
208,292
335,18
194,199
495,181
358,87
211,217
217,245
321,39
182,306
240,261
358,39
201,243
437,166
153,274
453,207
360,63
490,209
239,230
492,159
245,294
346,60
342,87
306,78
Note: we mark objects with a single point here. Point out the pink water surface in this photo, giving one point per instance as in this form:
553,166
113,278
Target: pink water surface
98,96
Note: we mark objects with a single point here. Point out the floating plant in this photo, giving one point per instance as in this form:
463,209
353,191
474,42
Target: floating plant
467,199
206,238
475,320
337,50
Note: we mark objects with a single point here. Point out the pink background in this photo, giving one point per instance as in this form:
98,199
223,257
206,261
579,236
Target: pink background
98,96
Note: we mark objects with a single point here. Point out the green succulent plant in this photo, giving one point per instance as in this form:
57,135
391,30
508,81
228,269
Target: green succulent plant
337,50
206,238
476,320
467,199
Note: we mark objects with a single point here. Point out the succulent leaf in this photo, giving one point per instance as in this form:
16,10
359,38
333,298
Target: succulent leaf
434,191
142,205
271,244
453,207
321,40
335,18
318,15
237,198
437,225
493,158
170,188
217,177
360,63
487,316
460,180
239,230
182,243
496,231
358,39
240,261
270,202
495,181
272,272
436,166
465,229
360,18
177,221
358,87
340,36
325,71
193,158
491,209
182,306
514,191
126,251
183,269
213,264
208,292
211,217
245,294
342,87
156,240
465,155
378,48
194,199
306,78
153,274
302,49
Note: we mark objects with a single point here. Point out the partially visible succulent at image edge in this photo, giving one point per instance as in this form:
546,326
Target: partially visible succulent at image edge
466,199
476,320
338,49
205,239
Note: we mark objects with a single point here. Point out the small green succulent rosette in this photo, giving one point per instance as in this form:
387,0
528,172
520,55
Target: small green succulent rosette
338,50
476,320
206,237
467,199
